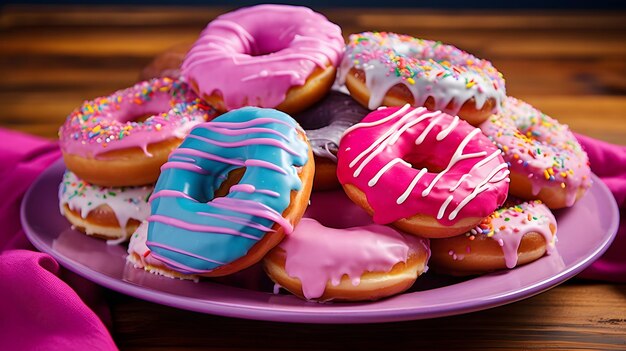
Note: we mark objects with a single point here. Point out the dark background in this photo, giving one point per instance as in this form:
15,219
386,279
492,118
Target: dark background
454,4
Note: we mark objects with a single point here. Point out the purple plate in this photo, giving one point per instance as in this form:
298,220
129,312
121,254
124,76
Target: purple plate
585,231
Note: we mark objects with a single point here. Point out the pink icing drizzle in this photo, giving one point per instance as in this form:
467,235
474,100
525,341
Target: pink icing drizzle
378,155
509,225
254,55
317,254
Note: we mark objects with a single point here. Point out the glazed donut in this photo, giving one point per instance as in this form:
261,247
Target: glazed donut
546,161
345,257
388,69
428,173
103,144
140,256
195,230
511,236
324,123
277,56
103,212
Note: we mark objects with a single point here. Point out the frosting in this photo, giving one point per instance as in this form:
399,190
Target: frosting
540,147
193,232
326,121
324,246
125,202
508,226
254,55
108,123
425,67
410,160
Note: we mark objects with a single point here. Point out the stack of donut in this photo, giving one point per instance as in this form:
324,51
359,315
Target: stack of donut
426,162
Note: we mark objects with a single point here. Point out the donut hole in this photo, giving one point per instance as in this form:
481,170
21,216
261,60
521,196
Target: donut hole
140,112
266,42
142,118
422,160
233,178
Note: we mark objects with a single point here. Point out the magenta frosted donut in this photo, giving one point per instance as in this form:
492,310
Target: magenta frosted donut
256,55
547,163
105,142
388,69
428,173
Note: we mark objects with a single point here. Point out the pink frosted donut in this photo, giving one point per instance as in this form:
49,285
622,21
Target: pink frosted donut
265,56
428,173
513,235
124,138
331,256
388,69
546,161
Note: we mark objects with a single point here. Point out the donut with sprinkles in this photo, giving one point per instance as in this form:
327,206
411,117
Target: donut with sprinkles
516,234
111,213
546,161
388,69
124,138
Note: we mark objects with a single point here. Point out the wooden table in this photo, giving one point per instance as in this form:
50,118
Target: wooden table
572,65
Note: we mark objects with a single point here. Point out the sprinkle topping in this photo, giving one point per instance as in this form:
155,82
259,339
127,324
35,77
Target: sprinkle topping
115,121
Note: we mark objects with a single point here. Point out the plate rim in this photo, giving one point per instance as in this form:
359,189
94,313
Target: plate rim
321,316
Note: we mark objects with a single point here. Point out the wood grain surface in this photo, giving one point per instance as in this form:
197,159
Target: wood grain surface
572,65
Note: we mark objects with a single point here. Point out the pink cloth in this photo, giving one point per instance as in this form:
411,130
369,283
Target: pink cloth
609,163
39,310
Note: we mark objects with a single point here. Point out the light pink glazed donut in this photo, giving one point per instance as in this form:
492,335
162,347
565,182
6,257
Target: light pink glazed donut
547,163
331,256
428,173
516,234
124,138
277,56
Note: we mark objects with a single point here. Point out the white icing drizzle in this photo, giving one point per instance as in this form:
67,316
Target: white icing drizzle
409,189
482,186
383,170
379,144
444,133
458,156
444,206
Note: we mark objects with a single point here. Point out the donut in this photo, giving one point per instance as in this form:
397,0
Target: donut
546,161
425,172
513,235
140,256
388,69
277,56
230,192
104,212
324,123
345,257
122,139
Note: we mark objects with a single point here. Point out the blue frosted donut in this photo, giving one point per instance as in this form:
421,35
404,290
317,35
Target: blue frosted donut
192,231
